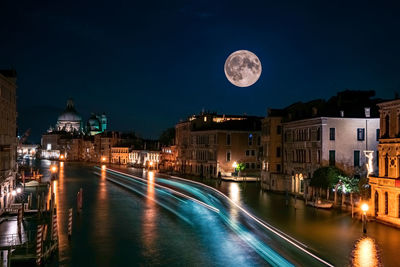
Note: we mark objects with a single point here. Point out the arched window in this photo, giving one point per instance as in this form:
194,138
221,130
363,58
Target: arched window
398,125
386,165
398,215
376,203
387,125
386,203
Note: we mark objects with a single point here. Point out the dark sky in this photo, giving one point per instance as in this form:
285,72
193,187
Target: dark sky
149,64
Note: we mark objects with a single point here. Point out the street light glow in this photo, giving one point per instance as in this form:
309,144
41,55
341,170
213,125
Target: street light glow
103,167
364,207
103,159
53,169
234,165
19,190
14,193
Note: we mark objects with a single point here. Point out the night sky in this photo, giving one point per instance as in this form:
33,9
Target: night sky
151,64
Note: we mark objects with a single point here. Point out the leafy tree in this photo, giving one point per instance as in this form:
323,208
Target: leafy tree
240,167
325,177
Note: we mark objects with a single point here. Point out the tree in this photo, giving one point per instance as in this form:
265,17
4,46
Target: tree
325,177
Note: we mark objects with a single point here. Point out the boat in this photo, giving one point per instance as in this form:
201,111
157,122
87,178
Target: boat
320,204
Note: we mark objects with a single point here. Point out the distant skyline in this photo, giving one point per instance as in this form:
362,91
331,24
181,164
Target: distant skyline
151,64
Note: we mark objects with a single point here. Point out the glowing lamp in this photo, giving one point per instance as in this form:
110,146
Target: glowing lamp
103,159
364,207
19,190
61,156
53,169
234,165
151,163
14,193
103,167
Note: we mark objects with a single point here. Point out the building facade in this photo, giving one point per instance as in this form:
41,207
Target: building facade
272,160
120,155
385,185
327,141
210,144
8,138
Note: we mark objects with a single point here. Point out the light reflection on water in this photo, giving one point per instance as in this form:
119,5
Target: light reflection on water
149,227
365,253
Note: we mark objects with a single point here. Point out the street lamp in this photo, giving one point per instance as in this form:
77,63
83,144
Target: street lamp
53,169
61,156
234,165
103,159
364,208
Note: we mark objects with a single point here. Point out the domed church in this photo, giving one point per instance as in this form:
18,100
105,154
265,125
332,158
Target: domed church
69,120
96,124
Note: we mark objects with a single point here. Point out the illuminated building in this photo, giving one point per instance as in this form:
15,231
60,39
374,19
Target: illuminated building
120,155
209,143
326,141
299,139
142,158
96,124
8,138
272,163
69,121
385,187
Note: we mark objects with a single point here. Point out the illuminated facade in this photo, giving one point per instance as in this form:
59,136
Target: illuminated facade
272,161
208,144
327,141
385,187
69,121
8,138
120,155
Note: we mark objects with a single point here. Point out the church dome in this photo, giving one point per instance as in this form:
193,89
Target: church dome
94,122
70,113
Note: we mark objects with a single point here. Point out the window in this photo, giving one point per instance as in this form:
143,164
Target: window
332,157
228,139
228,156
386,165
247,153
319,156
318,134
278,152
360,134
250,139
279,129
377,159
331,133
247,165
253,152
356,158
398,212
253,165
278,167
387,126
386,203
378,132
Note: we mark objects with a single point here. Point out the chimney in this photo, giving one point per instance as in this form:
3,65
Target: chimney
342,113
367,112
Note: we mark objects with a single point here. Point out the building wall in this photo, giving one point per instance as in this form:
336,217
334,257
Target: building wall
346,143
385,185
307,147
272,177
120,155
8,139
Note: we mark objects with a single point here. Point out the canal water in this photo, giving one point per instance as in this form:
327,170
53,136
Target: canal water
118,227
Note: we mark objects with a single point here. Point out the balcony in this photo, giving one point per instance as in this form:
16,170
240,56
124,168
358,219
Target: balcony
384,181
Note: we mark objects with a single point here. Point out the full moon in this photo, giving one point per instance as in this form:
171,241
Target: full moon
242,68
